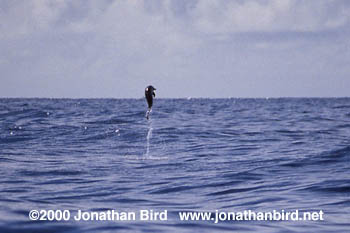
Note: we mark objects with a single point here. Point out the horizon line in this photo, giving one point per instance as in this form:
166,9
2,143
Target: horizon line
236,97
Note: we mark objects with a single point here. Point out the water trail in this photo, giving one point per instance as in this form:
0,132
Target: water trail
149,136
148,112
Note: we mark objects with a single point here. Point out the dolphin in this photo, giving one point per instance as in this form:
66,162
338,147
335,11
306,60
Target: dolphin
149,94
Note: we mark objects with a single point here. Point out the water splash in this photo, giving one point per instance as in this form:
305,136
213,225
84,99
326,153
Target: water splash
148,112
149,136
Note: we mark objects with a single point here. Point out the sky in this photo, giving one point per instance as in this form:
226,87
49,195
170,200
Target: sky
185,48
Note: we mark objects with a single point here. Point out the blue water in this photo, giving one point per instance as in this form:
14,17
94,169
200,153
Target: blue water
192,155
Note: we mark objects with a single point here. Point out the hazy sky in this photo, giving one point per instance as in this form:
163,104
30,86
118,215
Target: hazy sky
199,48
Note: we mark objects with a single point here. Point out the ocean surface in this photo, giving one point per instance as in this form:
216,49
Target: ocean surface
192,155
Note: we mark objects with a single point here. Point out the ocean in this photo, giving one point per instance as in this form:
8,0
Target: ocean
191,156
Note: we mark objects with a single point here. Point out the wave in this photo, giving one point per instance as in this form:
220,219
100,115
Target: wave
334,156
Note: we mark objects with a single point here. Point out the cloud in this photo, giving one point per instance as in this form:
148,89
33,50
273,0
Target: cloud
275,15
202,16
96,45
169,27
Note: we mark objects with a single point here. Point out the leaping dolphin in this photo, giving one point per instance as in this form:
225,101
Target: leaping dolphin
149,94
